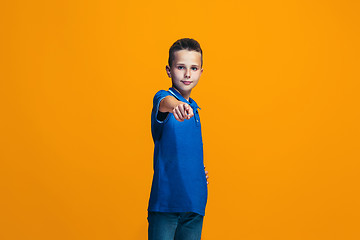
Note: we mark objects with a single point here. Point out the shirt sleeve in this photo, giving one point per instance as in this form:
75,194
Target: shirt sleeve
157,124
160,95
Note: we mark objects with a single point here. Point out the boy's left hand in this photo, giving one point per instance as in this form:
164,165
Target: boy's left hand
207,175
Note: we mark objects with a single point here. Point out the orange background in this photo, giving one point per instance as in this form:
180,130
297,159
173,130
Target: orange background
280,116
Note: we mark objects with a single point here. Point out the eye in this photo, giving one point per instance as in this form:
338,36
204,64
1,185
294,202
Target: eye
194,68
180,67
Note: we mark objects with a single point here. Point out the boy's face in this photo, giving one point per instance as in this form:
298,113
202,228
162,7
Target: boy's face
186,70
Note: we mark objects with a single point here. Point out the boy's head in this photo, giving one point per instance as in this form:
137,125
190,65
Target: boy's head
185,64
184,44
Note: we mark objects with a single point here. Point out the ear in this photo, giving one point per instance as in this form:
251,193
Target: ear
168,71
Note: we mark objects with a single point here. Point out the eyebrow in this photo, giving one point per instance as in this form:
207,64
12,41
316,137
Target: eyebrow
184,64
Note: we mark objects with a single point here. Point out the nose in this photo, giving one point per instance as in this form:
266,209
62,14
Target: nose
187,73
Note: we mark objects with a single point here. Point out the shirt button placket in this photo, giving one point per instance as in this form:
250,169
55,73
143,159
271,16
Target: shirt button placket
196,117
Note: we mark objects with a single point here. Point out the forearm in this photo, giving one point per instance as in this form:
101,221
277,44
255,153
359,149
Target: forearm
168,104
180,109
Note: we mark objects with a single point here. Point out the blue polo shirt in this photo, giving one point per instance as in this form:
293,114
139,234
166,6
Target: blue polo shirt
179,182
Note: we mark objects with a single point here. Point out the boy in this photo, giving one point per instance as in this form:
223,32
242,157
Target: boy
179,188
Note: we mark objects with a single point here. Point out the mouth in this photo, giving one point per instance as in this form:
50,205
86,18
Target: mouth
186,82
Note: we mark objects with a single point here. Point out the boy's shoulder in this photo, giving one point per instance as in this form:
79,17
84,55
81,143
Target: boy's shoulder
160,94
162,91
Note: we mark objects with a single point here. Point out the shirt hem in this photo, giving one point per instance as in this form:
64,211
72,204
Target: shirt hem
202,213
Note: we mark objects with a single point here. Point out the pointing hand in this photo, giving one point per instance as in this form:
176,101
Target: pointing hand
183,111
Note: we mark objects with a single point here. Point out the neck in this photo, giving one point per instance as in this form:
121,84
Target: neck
186,95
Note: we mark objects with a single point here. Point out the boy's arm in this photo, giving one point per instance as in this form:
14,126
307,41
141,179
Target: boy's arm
180,109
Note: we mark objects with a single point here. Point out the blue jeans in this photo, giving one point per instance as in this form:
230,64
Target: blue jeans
174,226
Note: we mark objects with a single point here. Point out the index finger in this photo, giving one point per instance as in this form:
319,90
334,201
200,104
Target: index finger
189,111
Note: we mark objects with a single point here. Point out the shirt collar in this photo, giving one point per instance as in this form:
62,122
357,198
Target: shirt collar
191,101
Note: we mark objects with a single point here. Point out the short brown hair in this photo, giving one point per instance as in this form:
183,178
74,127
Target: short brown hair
184,44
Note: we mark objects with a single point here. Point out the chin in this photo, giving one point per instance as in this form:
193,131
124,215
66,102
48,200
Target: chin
186,88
